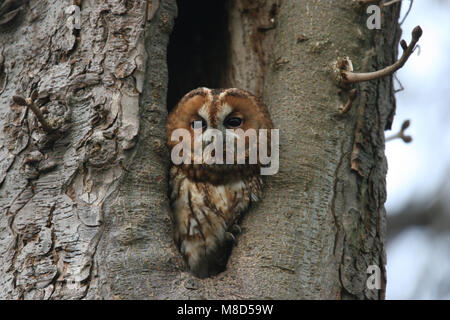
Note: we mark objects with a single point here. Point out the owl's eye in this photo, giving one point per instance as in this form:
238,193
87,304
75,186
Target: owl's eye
195,124
233,122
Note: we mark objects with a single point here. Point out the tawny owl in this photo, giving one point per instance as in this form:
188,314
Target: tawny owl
208,198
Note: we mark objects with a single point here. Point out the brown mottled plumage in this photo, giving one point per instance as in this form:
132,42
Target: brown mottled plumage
208,200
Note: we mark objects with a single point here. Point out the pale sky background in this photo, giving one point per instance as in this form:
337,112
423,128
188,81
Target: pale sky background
418,259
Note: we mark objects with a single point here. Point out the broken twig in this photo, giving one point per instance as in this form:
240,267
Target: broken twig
29,102
351,97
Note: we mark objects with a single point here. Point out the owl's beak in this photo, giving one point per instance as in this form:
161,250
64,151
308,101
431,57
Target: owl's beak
227,135
207,140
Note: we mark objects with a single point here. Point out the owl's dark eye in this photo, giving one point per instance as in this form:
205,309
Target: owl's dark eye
195,124
233,122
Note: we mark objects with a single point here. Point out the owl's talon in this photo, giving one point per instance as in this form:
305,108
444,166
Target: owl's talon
230,237
236,229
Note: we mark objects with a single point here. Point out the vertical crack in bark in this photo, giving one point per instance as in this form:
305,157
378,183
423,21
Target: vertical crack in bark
52,251
17,239
336,217
340,237
91,252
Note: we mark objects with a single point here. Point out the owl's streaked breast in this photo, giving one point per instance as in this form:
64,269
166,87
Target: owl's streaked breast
205,214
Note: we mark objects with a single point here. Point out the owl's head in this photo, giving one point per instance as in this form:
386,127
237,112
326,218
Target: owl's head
219,109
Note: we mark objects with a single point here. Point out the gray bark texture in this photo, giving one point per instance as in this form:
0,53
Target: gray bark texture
84,211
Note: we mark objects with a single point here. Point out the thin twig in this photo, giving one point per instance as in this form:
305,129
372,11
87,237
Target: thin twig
351,97
347,76
407,12
401,133
29,102
385,4
388,3
400,84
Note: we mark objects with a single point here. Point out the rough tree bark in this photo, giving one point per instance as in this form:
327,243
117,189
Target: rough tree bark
84,210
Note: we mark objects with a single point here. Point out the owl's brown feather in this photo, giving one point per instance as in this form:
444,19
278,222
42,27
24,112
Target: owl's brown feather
208,200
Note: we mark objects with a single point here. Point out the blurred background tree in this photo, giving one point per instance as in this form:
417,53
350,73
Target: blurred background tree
418,177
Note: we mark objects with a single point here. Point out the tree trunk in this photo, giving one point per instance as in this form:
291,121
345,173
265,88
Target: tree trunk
84,208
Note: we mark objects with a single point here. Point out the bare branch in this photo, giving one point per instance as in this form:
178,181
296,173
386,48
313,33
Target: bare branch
401,133
345,67
431,212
